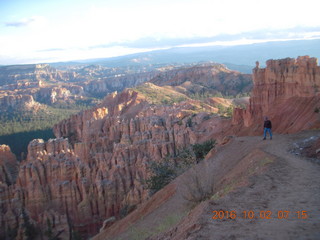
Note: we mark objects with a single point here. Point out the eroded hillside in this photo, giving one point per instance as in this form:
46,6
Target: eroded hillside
94,172
35,97
97,166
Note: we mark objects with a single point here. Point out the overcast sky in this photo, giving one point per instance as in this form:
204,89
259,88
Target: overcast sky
33,31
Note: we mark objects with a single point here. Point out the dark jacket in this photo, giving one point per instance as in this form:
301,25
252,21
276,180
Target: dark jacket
267,124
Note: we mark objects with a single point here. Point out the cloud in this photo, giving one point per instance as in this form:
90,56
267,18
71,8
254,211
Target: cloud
259,35
24,22
52,50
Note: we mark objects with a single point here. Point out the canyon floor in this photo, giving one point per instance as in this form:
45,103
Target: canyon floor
249,175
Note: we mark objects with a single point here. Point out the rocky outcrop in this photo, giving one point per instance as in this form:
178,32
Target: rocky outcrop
18,102
96,167
8,175
53,94
33,73
8,166
21,85
20,82
213,78
119,82
288,92
48,85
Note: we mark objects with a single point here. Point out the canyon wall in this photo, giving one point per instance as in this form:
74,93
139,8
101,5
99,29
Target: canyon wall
8,174
47,85
18,102
17,74
110,84
288,92
8,166
97,166
215,78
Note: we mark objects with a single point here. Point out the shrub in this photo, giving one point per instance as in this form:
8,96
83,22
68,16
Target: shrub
225,111
126,209
201,149
189,122
162,173
206,117
30,231
199,186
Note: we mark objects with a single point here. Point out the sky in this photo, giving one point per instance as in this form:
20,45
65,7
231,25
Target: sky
36,31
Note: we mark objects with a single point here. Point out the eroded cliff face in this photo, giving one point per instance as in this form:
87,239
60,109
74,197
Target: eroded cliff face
215,78
110,84
288,92
8,175
30,74
8,166
18,102
96,167
47,85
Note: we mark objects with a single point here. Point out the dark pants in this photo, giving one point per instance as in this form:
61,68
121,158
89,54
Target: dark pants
265,132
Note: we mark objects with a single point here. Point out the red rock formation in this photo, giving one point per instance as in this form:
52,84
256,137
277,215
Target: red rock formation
288,92
54,94
8,174
8,165
18,102
215,77
81,181
117,83
96,166
33,73
48,85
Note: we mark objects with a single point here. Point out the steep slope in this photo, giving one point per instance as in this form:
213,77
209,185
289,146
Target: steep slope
98,172
35,97
94,172
284,200
287,91
249,175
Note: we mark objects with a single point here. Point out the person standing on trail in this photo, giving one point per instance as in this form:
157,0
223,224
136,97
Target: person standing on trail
267,128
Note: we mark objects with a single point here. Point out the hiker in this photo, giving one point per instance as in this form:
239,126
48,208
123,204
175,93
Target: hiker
267,128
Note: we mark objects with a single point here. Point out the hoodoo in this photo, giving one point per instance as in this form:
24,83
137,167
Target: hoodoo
96,167
288,92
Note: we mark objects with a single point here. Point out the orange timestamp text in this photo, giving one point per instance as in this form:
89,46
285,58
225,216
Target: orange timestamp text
281,214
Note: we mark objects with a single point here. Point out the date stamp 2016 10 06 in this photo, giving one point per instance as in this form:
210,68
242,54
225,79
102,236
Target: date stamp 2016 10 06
280,214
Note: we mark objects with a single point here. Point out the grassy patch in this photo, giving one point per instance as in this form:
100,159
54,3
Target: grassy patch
227,188
231,185
164,225
265,161
160,95
168,222
139,233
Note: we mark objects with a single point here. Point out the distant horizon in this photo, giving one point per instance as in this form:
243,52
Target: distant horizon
191,46
38,31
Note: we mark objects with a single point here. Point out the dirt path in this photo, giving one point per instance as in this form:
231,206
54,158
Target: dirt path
291,184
